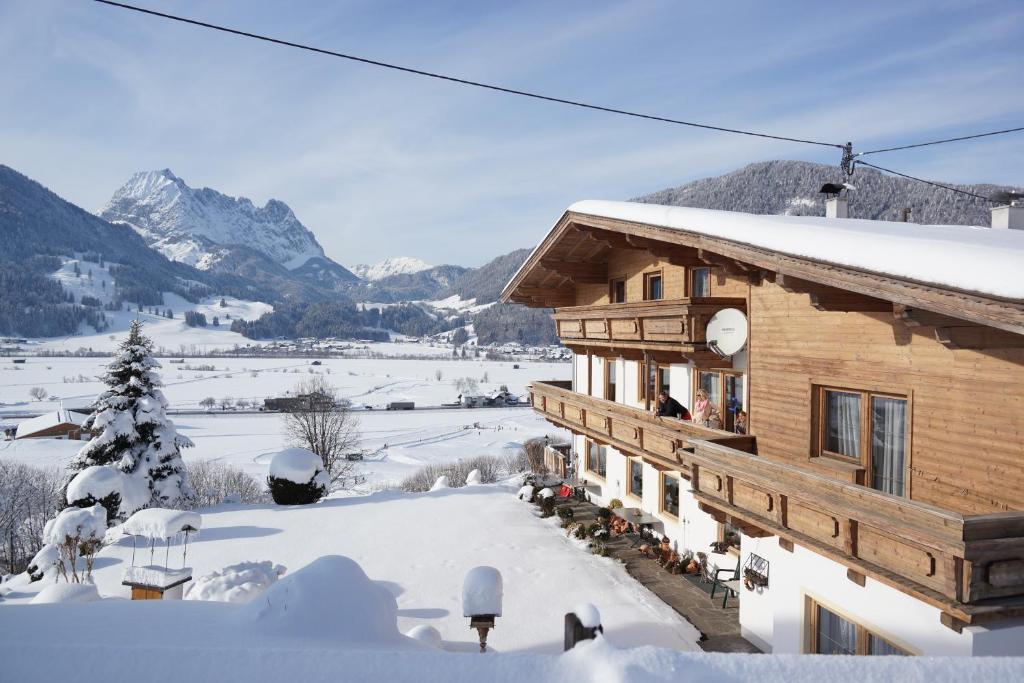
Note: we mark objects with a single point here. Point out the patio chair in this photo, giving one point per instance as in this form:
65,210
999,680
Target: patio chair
730,585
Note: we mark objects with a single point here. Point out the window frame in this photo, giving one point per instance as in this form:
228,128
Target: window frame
650,275
861,465
642,384
690,279
863,632
629,478
610,371
722,407
586,463
664,475
612,282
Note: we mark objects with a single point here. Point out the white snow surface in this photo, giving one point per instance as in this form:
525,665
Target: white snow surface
161,523
297,465
66,592
987,260
426,634
237,583
398,265
187,224
588,615
481,592
441,483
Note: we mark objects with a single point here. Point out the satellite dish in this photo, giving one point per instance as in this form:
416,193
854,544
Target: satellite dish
726,333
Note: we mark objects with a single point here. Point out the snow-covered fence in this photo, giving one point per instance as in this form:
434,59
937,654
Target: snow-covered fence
29,496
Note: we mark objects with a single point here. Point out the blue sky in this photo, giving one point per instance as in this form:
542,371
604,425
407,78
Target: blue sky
380,164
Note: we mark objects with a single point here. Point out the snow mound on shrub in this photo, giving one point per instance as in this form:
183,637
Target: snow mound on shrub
426,634
545,493
298,465
99,481
441,483
588,615
481,592
331,599
83,523
525,493
161,523
66,592
474,477
237,583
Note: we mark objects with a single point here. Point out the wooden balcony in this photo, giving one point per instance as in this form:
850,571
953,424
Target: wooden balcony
629,430
971,567
657,327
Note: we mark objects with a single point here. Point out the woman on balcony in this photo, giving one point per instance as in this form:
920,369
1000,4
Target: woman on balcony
706,413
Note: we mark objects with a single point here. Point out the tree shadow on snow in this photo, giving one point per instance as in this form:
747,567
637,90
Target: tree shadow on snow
423,612
226,533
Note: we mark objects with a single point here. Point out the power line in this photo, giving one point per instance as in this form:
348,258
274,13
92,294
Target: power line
940,142
461,81
926,182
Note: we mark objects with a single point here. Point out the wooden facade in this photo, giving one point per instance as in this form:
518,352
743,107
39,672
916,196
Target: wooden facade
953,359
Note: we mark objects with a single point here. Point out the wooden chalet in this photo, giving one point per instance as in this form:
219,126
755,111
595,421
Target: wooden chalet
882,469
59,424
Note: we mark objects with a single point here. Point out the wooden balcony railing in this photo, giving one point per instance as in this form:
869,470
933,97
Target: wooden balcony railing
969,566
624,428
667,324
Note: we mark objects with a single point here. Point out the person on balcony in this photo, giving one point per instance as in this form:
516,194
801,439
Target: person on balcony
669,407
740,426
705,412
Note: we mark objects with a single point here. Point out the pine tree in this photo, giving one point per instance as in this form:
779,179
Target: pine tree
131,433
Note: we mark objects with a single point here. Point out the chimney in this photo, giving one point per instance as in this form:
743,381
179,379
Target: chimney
1010,215
837,207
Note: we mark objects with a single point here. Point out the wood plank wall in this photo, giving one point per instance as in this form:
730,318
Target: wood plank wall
632,264
967,433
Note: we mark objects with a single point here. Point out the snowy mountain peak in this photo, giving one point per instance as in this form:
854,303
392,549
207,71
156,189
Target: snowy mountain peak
190,225
399,265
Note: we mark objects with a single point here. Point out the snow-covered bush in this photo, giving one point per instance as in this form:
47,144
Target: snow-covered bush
297,477
426,634
528,492
423,479
237,583
513,462
215,483
474,477
76,533
66,592
132,434
29,497
109,487
440,484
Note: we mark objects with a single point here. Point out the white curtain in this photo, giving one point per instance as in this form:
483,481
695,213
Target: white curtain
843,414
888,444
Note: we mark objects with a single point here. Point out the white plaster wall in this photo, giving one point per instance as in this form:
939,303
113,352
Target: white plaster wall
1000,639
679,374
579,373
776,615
597,379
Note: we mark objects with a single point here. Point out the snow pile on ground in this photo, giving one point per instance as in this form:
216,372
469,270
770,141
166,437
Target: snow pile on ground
298,465
481,592
474,477
441,483
81,523
161,523
329,599
237,583
66,592
427,635
588,615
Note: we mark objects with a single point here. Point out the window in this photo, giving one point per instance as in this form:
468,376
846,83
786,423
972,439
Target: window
653,379
652,286
724,390
832,634
617,291
868,429
635,480
700,282
669,495
610,368
597,459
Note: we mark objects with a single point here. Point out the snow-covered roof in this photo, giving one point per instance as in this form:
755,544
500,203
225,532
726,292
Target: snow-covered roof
162,523
48,420
971,258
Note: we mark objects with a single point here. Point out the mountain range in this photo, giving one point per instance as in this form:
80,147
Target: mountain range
166,236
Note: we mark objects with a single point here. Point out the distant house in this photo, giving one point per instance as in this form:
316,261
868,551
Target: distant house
60,424
286,404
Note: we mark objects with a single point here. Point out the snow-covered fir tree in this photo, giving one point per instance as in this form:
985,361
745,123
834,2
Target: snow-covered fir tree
135,451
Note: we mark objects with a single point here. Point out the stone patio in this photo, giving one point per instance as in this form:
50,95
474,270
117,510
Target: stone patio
720,628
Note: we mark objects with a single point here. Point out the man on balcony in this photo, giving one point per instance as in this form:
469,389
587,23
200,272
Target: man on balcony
669,407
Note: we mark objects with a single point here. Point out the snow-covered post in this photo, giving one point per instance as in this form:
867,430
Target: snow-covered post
583,623
481,600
